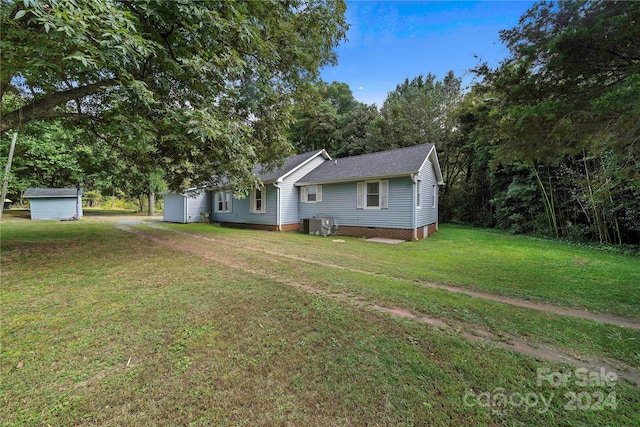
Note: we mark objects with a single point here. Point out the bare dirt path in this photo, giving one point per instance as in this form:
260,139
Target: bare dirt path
470,331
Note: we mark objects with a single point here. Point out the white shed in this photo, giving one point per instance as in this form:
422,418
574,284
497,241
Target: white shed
55,203
186,207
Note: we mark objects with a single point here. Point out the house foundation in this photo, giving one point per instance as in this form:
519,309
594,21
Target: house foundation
389,233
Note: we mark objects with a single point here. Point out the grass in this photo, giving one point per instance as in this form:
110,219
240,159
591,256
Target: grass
400,290
101,327
484,260
102,211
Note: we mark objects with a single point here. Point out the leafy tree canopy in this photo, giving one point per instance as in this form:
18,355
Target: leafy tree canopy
320,118
198,88
566,103
571,83
419,111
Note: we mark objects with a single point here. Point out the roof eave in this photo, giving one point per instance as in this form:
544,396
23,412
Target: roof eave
72,196
433,158
322,152
354,179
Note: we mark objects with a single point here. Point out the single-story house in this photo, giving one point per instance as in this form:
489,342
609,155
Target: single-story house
275,205
55,203
186,207
390,194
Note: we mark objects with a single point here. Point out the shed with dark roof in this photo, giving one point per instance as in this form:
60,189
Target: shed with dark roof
55,203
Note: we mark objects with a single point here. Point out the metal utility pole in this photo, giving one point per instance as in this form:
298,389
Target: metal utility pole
5,181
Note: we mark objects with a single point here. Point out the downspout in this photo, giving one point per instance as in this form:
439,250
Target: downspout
278,207
414,178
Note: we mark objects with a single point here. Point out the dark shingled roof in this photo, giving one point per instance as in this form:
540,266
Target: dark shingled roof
403,161
35,193
290,164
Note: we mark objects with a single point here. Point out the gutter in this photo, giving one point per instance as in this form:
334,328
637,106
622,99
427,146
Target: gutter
356,178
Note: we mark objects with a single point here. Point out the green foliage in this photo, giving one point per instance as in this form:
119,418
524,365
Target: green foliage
567,101
425,110
332,119
516,194
419,111
572,81
354,134
46,155
197,88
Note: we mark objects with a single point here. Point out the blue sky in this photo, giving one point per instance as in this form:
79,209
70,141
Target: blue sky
389,41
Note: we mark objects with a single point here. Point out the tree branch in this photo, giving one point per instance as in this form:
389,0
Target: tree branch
43,108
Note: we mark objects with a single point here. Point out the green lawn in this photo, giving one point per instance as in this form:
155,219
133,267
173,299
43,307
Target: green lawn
102,327
517,266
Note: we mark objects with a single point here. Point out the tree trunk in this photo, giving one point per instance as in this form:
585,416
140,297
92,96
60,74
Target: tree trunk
548,203
152,203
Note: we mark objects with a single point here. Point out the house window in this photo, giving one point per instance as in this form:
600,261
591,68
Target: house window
435,196
418,190
373,195
223,201
258,200
311,194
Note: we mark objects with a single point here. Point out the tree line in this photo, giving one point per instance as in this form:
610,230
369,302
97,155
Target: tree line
544,143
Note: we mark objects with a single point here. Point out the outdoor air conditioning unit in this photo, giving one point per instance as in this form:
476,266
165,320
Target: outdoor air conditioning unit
319,226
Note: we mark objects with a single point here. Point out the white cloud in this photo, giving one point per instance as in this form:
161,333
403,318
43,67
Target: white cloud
360,87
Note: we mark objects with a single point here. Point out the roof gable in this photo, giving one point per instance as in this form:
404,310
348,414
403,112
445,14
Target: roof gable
35,193
435,163
403,161
290,165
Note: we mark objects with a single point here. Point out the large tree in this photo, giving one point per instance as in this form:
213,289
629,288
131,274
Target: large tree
321,118
571,82
423,110
566,103
198,88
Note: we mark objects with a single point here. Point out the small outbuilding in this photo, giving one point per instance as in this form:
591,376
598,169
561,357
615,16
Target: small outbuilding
187,207
55,203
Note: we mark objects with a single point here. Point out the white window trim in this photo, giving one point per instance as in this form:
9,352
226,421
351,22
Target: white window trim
366,194
229,204
383,194
304,194
263,193
435,196
418,194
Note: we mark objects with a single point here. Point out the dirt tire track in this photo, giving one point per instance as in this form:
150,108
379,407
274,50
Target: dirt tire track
469,331
549,308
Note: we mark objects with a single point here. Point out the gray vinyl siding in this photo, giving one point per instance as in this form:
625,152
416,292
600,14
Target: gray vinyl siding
183,209
339,201
290,194
241,212
54,208
174,208
197,205
427,214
